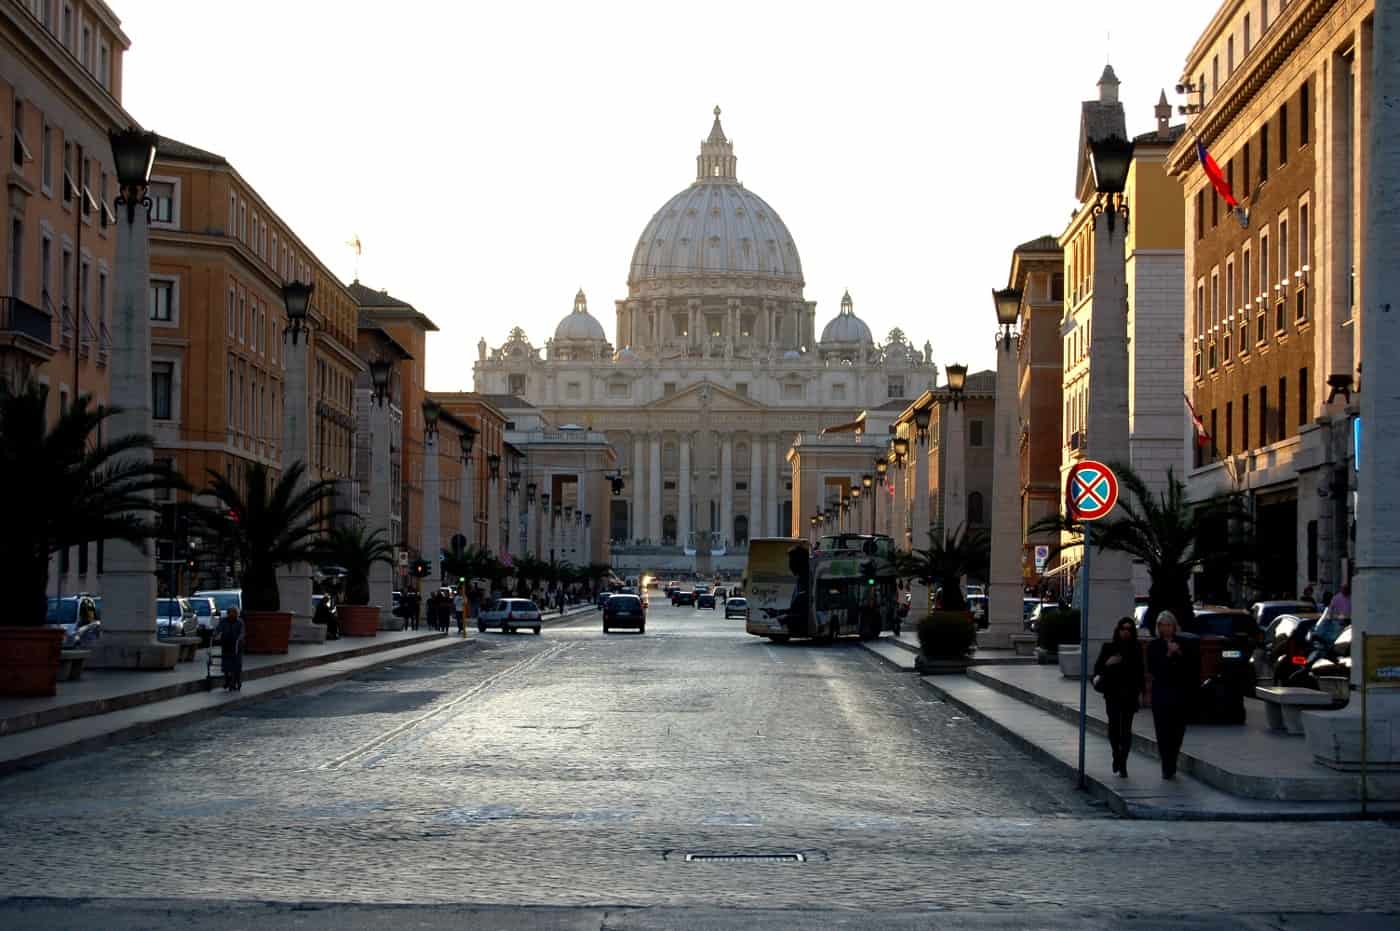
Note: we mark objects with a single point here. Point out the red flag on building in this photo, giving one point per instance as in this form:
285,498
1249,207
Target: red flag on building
1216,176
1203,437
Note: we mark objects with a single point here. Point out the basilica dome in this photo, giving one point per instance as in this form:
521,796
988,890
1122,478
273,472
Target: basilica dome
846,329
580,326
716,227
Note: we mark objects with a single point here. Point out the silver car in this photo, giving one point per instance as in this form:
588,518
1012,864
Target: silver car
175,617
510,615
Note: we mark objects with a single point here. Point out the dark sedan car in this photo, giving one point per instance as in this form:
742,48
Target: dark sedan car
682,598
624,611
706,600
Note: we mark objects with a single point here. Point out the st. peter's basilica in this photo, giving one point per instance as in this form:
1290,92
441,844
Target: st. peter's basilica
714,369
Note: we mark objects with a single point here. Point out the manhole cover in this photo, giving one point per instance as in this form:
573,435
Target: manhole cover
745,858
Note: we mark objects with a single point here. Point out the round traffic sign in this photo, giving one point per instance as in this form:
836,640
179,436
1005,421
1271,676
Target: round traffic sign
1092,490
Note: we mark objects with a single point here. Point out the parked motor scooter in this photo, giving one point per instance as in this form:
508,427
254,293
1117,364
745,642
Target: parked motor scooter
1325,654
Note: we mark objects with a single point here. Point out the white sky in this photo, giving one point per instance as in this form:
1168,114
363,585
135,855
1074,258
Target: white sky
494,157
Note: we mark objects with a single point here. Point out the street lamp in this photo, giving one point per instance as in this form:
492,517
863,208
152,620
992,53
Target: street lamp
530,489
1008,304
493,466
867,482
380,370
957,382
882,466
134,154
901,450
296,295
468,440
922,416
1110,160
431,411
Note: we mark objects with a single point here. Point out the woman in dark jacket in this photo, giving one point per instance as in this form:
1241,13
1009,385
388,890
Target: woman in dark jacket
1173,668
229,633
1118,674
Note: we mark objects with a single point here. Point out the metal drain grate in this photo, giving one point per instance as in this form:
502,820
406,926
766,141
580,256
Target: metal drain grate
745,858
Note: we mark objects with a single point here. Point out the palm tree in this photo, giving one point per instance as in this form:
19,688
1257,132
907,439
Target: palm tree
1170,536
65,489
471,562
356,550
268,526
962,552
529,570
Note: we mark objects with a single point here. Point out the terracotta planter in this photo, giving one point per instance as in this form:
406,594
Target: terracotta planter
29,659
947,635
358,620
267,631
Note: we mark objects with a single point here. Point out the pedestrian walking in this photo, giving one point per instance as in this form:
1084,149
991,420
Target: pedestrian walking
1173,669
230,634
1119,676
1340,605
459,605
326,618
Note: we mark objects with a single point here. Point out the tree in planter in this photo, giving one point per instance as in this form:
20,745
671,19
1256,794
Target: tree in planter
65,489
1170,536
963,552
356,550
271,525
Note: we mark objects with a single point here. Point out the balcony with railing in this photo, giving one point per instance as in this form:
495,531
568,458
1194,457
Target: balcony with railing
26,339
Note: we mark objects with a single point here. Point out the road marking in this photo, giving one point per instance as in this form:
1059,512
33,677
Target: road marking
394,733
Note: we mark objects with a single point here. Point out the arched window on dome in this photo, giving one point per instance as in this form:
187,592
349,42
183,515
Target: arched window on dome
714,171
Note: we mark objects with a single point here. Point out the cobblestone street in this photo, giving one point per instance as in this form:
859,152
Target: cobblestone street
578,769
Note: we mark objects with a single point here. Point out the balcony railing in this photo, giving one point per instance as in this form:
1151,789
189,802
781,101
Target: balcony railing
18,317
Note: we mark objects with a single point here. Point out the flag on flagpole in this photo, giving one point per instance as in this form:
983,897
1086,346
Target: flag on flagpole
1203,437
354,243
1216,176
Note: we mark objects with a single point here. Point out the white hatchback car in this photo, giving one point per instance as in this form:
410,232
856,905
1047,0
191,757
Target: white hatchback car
510,614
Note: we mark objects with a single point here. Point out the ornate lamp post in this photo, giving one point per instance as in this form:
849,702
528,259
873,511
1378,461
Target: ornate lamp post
381,576
882,466
129,573
955,453
466,442
1004,592
431,543
867,483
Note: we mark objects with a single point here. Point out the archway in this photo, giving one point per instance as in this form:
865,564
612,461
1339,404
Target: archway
741,530
668,530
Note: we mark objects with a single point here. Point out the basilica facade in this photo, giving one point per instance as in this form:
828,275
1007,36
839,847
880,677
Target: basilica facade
715,366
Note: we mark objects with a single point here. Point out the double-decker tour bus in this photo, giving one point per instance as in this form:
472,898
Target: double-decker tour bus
845,585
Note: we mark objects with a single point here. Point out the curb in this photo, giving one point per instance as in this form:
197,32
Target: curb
135,730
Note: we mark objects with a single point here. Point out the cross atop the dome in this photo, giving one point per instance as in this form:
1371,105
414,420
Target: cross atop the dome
716,161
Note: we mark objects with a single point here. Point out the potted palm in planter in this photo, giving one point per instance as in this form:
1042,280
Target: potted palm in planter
948,634
269,525
64,490
355,550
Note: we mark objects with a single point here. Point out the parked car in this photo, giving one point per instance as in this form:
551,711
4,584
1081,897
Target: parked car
224,598
736,607
1265,611
683,598
624,611
80,616
207,615
1028,606
510,615
175,617
705,600
977,604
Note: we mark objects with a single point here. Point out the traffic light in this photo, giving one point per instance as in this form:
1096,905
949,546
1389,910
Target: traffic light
420,568
867,569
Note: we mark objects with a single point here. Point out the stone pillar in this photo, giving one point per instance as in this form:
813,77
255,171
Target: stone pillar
654,489
129,575
726,490
639,529
1004,593
920,451
755,486
773,500
683,487
585,529
381,575
954,467
1112,578
468,514
430,543
493,514
294,582
1335,737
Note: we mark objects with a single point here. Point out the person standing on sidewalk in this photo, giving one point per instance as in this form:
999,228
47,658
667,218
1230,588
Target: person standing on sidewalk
459,606
1173,679
229,633
1118,674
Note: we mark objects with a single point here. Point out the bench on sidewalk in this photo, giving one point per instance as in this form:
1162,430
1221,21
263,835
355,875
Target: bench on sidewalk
1284,705
70,664
188,646
1023,644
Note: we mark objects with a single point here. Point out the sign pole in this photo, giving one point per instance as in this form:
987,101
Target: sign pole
1084,654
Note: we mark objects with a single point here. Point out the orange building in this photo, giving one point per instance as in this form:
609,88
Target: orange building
488,471
219,258
60,94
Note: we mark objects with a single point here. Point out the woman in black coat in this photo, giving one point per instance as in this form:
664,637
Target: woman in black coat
1173,668
1118,674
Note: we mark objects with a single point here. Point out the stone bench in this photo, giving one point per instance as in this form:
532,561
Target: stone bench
1284,705
70,664
1023,644
188,647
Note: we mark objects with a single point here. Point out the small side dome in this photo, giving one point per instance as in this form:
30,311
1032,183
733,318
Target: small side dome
580,326
846,329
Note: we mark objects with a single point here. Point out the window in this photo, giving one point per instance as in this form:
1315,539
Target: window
1214,432
242,317
242,221
517,384
1201,214
1246,34
162,389
975,431
1263,15
617,389
742,389
1283,135
1282,287
1262,301
162,202
46,159
1264,416
1230,56
16,256
1282,430
1229,427
232,312
895,387
1244,422
102,304
162,300
1304,115
1214,315
668,389
976,509
45,269
1263,153
1228,319
1214,74
573,391
1244,170
838,392
1245,300
104,65
1302,397
84,53
68,25
1200,320
792,391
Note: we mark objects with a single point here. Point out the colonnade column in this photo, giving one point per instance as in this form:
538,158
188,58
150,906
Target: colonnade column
726,490
773,501
585,529
954,454
654,489
1004,611
683,507
638,528
755,486
430,542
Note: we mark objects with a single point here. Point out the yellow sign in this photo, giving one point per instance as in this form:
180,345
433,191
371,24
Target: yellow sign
1382,653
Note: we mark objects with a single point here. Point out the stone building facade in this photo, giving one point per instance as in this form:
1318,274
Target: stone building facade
715,366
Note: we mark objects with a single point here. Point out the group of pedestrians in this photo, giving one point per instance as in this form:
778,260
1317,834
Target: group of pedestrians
1120,674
